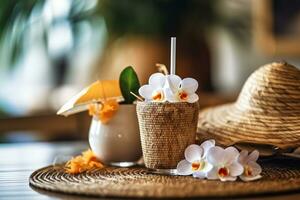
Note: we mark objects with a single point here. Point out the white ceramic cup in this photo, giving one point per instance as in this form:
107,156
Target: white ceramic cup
119,139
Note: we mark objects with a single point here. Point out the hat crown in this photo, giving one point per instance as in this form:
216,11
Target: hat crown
273,89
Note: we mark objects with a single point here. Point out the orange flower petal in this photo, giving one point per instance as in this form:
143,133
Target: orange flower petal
82,163
106,111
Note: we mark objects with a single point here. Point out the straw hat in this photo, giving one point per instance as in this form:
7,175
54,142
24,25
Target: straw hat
267,110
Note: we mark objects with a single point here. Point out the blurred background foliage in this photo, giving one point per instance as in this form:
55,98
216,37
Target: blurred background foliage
154,18
51,49
13,17
16,17
61,44
157,18
38,41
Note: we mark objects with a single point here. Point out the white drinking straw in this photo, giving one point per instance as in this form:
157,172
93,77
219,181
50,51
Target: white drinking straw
173,55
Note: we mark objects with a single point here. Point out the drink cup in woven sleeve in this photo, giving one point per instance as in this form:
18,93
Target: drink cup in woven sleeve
166,130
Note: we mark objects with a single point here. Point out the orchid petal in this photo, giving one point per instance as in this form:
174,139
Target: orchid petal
199,174
193,153
250,178
236,169
207,145
192,98
215,155
253,156
228,178
189,85
184,168
243,157
161,92
174,82
212,174
157,80
207,167
231,155
146,91
169,95
256,168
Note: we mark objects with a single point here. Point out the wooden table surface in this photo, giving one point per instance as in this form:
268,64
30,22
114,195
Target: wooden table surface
18,161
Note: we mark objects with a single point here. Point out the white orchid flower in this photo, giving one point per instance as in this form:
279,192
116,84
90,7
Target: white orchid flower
154,91
252,170
225,164
181,90
195,160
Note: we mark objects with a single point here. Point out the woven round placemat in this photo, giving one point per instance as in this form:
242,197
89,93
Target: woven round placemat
139,183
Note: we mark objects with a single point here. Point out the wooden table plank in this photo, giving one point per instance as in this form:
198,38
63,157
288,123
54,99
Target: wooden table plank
18,161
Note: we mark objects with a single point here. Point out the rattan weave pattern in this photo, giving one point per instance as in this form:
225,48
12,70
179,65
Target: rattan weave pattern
166,129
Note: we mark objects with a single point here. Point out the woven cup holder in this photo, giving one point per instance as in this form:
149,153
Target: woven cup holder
166,129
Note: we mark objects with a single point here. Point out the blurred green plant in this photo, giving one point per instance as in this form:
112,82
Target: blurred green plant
16,18
14,15
156,17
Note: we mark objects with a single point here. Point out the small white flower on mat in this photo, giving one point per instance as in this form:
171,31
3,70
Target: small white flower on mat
181,90
154,90
252,170
225,164
195,160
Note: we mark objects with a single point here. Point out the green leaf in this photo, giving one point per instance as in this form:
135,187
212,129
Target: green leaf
129,82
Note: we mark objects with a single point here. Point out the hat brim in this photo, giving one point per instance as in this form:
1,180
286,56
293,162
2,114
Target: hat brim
229,125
